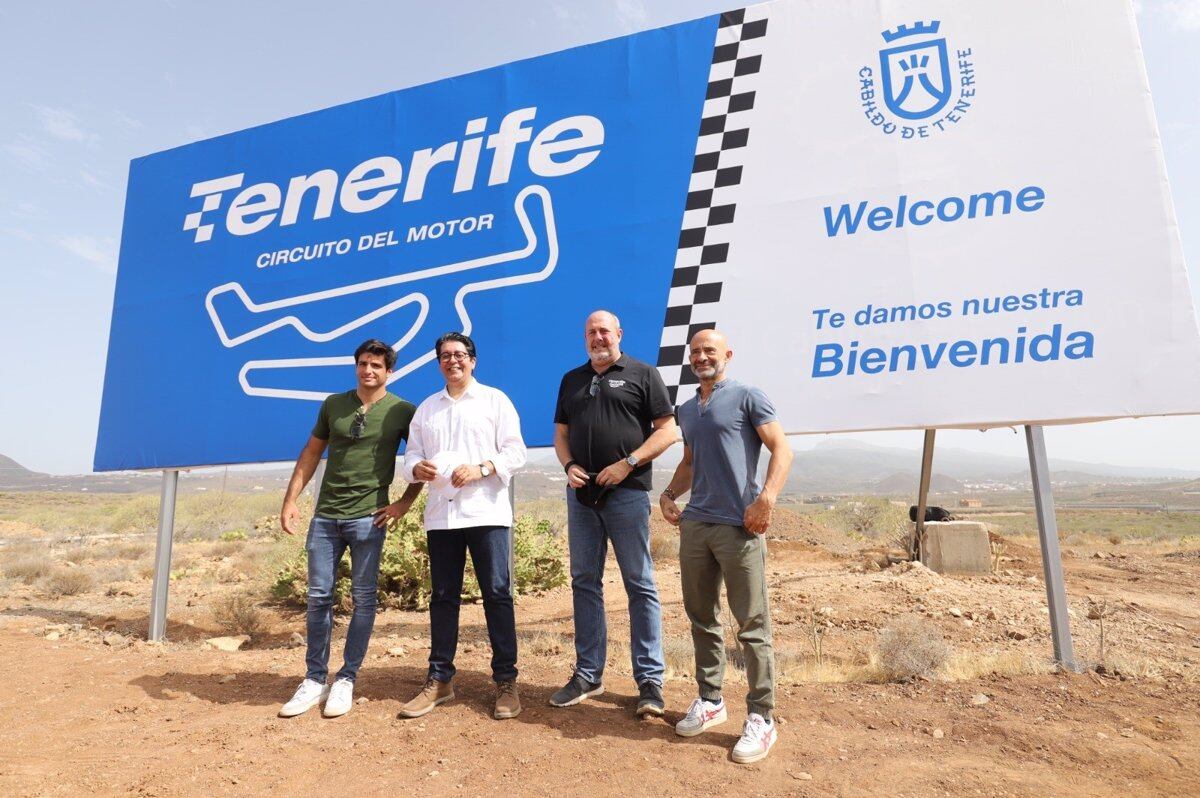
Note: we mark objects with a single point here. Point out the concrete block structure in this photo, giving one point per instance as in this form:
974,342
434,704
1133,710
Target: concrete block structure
956,547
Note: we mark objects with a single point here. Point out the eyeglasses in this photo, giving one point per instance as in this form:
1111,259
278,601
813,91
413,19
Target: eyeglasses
359,427
594,388
446,357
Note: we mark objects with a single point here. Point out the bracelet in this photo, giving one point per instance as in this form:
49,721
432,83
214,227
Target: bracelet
670,494
567,467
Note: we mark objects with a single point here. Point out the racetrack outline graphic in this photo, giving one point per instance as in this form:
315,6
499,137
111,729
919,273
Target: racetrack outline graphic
417,297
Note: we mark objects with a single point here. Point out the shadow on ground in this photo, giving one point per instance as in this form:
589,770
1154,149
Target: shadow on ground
610,714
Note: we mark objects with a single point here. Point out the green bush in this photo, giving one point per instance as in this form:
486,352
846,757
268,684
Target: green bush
404,581
136,514
207,516
868,517
232,535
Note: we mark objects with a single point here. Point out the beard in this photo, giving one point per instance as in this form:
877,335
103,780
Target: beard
709,372
603,354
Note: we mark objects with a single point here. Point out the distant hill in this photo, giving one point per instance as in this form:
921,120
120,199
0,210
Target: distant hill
15,475
906,484
848,466
842,465
833,466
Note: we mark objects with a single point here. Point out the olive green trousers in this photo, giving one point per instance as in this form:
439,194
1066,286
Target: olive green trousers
710,554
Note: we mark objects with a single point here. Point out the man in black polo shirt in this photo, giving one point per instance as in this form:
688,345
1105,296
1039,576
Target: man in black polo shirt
613,417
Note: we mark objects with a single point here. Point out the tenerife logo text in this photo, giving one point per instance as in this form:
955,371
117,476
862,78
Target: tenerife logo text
560,148
924,91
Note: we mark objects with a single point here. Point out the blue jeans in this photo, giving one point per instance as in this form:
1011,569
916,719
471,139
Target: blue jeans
624,520
328,539
447,557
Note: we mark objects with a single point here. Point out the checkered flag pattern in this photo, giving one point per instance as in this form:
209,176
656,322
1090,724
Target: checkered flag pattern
702,259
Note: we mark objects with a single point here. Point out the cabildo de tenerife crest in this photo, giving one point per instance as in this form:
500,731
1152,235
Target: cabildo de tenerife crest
921,86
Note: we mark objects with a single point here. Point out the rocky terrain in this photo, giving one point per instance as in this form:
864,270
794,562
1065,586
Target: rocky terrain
98,709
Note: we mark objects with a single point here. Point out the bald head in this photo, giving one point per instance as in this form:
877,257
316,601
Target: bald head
709,355
602,338
714,338
603,317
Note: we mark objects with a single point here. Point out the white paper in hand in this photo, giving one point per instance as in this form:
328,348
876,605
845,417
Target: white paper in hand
446,462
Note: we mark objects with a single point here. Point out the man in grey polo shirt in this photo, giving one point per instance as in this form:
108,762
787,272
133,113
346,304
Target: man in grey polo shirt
725,425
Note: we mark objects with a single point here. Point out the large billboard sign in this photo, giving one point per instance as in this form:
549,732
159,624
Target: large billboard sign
906,215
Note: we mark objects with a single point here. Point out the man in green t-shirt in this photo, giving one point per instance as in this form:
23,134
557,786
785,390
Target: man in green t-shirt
362,430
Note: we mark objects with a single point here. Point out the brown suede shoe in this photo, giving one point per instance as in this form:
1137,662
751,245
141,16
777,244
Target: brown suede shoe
508,703
432,694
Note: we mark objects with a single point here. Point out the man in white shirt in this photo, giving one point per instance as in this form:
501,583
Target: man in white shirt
465,442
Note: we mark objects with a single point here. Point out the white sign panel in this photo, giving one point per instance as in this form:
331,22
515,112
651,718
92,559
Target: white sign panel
955,214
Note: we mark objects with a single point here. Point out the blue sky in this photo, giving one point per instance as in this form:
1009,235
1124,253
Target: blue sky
89,86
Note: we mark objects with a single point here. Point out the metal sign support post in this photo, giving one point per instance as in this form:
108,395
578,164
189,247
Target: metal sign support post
923,493
1056,590
162,554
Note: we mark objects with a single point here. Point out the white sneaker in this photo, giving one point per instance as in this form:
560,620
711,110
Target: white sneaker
308,695
758,735
701,715
341,698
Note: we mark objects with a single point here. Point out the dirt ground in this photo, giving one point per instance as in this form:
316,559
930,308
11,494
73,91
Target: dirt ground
91,707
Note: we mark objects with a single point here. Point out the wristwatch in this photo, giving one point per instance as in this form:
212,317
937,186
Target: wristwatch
633,461
483,469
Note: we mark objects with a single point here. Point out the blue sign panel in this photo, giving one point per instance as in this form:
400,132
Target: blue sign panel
507,204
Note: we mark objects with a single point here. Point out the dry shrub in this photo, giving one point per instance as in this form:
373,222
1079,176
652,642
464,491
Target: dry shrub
911,647
618,655
182,565
132,551
226,548
120,572
664,546
787,663
247,564
964,666
792,668
27,569
1133,665
238,614
680,656
67,582
83,552
545,644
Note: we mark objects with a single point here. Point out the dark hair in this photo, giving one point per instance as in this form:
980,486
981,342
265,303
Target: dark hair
465,340
373,346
